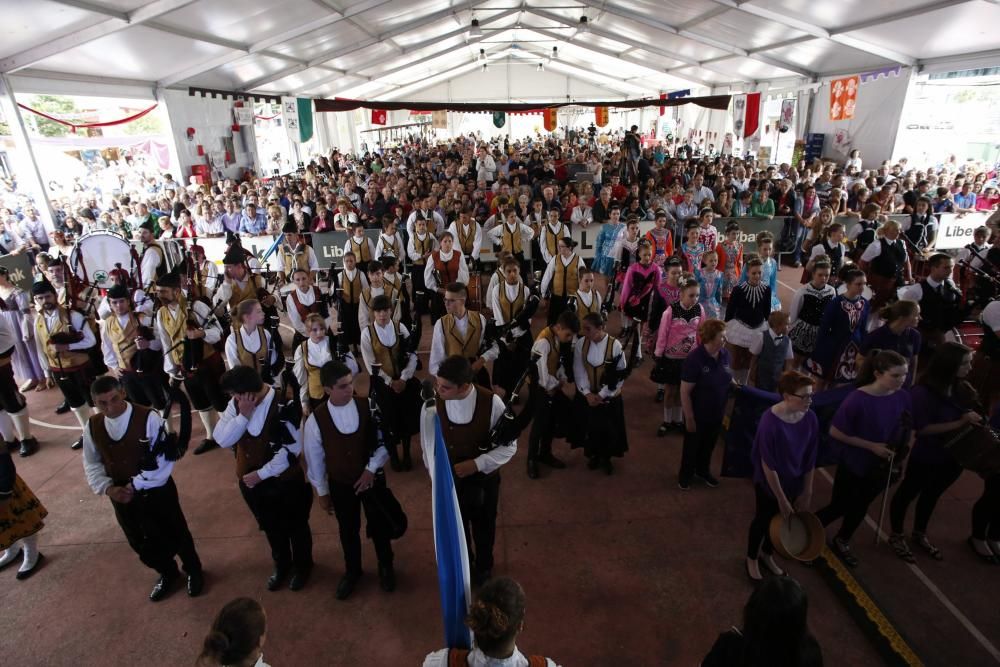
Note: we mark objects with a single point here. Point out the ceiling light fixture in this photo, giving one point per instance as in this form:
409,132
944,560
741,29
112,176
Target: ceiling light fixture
482,54
541,67
555,53
584,25
485,67
475,30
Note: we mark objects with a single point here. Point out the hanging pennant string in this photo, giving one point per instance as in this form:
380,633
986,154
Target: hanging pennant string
76,126
266,117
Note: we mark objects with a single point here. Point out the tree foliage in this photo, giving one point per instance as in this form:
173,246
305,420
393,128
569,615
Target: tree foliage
54,105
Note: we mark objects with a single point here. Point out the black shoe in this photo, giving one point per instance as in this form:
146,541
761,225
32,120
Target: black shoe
277,578
607,467
300,576
663,430
706,477
63,408
24,574
684,483
659,395
532,469
843,551
162,587
386,578
593,463
29,446
206,445
12,445
552,462
196,584
77,445
347,584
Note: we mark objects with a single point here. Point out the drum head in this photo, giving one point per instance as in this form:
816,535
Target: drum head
96,255
800,536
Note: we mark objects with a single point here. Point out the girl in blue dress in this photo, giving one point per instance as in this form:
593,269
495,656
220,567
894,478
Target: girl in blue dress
710,279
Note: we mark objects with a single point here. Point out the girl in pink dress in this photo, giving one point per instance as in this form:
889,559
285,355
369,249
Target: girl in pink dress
637,293
676,337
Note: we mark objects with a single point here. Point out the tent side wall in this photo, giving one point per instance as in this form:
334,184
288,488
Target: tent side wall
212,120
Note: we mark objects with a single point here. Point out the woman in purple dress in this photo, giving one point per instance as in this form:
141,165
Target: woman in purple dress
869,426
899,334
784,460
15,306
943,403
834,359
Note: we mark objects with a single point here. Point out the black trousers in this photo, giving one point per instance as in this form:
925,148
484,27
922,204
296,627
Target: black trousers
146,389
347,506
419,289
549,412
510,364
157,531
478,497
759,539
203,387
75,385
986,511
696,454
281,508
852,494
924,483
557,304
11,400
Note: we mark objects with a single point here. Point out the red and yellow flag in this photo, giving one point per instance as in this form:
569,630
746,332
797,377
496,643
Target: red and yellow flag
551,120
601,116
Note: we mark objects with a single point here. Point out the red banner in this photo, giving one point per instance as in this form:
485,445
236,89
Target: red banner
601,116
843,97
379,116
663,110
551,120
752,118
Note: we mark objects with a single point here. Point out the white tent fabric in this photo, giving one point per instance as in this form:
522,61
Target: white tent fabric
382,48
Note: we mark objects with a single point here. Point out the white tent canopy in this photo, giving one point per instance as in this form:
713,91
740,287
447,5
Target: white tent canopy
382,49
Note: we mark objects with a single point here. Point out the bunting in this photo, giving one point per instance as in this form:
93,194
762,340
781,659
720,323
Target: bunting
499,119
379,116
551,119
601,116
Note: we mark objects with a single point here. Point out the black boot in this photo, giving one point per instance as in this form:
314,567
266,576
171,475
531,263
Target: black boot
28,446
394,461
407,460
206,445
63,408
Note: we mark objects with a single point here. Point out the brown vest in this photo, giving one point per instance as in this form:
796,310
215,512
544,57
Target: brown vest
303,310
463,440
121,458
552,360
253,451
453,342
449,269
346,453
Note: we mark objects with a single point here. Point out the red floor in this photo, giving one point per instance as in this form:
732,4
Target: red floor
618,570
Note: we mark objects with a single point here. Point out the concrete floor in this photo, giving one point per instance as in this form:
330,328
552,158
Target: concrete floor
618,570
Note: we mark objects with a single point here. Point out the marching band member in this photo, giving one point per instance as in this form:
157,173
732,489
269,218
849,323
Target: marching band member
468,234
432,219
303,300
240,282
267,450
940,301
352,282
203,286
512,236
552,407
462,332
310,355
131,357
599,403
188,333
446,265
562,277
345,461
377,286
420,246
390,243
550,234
974,256
468,413
587,299
117,440
512,310
250,344
152,261
294,253
360,244
862,234
68,362
397,280
886,263
384,348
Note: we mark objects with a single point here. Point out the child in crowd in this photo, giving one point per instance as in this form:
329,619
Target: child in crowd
710,279
637,293
676,337
668,292
769,267
807,309
730,253
660,239
626,248
863,234
708,235
772,353
746,314
830,246
692,249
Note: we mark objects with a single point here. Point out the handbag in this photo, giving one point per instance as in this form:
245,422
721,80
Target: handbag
381,505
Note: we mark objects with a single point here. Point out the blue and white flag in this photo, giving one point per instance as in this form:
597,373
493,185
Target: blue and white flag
449,534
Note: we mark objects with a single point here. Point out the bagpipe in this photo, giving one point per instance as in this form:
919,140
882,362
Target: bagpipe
171,446
510,425
522,321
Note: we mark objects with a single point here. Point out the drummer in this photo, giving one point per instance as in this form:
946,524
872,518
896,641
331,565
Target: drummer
152,262
294,253
377,286
446,265
239,284
784,462
940,302
208,273
132,353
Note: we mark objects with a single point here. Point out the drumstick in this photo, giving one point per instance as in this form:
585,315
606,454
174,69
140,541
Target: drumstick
885,501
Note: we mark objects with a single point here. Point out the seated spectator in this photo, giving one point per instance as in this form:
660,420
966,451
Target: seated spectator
495,618
237,636
942,201
775,632
989,199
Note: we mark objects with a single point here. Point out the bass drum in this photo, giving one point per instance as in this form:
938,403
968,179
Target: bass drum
173,252
477,300
97,254
968,333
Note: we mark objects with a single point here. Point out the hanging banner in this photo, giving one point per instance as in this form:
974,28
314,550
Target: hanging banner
499,118
439,120
551,120
290,117
727,144
843,98
305,109
787,114
751,123
663,109
379,116
601,115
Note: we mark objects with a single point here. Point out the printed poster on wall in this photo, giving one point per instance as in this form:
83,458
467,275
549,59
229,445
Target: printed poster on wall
290,117
439,120
843,98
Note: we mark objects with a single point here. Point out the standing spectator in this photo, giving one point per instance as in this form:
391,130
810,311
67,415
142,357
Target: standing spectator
705,381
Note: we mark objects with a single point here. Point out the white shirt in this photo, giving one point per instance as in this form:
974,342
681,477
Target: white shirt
560,231
511,292
225,291
462,411
438,353
582,215
477,237
427,215
991,316
875,249
915,292
820,249
347,420
548,382
213,332
232,426
527,233
757,344
595,356
209,226
477,658
93,465
411,248
550,270
386,336
251,343
108,348
587,299
319,354
150,260
463,269
705,193
364,310
974,260
306,298
78,323
389,245
349,247
312,262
